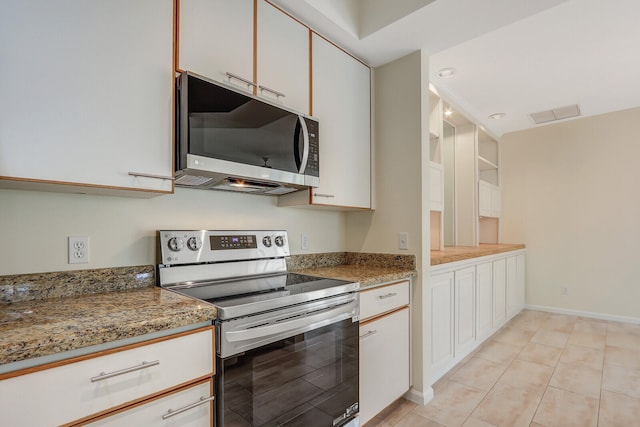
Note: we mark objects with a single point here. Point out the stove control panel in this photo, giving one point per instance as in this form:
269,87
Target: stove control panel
200,246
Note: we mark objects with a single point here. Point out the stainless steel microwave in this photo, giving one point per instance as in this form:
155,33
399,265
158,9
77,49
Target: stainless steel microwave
227,139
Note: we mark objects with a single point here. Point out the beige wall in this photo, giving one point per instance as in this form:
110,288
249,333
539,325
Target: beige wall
34,225
401,185
571,193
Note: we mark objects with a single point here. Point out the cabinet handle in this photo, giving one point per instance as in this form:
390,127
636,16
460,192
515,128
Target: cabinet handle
323,195
368,334
243,80
148,175
143,365
275,92
170,413
389,295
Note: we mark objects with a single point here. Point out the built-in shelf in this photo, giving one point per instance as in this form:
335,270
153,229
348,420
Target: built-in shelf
485,165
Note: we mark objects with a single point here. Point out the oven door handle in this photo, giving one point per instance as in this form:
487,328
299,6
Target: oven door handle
299,324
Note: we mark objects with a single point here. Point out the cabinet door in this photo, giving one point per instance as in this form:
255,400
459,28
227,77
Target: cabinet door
87,92
436,186
521,280
496,201
282,58
465,331
484,199
513,291
341,102
499,292
442,321
216,37
198,410
384,374
484,303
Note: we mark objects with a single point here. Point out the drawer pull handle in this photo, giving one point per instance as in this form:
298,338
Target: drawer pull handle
170,413
323,195
389,295
368,334
143,365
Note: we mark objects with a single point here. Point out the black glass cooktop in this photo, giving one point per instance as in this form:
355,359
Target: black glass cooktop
246,296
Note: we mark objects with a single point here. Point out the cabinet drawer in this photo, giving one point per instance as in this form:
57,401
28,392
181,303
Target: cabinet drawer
73,391
191,407
385,298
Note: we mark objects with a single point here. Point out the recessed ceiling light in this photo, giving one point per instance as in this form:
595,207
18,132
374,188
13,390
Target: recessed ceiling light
448,112
445,73
497,116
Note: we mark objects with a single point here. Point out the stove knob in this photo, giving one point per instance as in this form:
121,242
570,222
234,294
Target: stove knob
279,241
176,244
194,243
266,240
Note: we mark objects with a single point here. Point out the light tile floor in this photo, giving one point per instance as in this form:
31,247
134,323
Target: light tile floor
541,369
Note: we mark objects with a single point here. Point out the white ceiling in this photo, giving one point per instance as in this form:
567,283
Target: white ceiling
511,56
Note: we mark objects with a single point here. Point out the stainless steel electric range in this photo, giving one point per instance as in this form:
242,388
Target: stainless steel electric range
286,344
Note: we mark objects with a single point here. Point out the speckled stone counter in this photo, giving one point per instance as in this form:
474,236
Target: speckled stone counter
459,253
368,269
33,328
25,287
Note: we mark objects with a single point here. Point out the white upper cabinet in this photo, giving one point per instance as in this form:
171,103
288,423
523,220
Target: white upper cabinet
87,95
341,100
216,38
282,58
489,200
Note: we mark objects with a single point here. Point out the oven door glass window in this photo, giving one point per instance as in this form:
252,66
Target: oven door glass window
306,380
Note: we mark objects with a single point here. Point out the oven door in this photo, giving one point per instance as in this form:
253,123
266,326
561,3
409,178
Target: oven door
305,379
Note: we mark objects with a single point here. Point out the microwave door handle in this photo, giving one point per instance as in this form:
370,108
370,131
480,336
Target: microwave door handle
305,150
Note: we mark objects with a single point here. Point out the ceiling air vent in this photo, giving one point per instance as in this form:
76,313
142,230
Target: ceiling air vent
555,114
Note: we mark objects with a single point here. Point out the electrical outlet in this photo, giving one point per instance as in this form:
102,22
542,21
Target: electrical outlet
304,241
78,249
403,241
564,291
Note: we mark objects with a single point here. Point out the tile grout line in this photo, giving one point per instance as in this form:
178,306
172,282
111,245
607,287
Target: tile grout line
546,388
604,353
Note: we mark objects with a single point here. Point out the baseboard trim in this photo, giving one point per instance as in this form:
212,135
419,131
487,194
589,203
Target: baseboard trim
601,316
419,397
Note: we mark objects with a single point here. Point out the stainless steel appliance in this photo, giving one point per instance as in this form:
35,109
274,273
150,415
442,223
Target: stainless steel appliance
286,344
227,139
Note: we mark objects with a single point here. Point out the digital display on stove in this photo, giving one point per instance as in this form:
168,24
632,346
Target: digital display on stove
233,242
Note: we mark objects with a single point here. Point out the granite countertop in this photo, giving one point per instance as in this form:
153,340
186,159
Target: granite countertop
367,269
44,326
366,275
459,253
47,314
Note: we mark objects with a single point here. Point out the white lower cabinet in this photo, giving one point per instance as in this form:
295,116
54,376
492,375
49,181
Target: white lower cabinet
191,407
384,347
465,310
78,390
515,284
471,300
484,300
499,292
442,286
